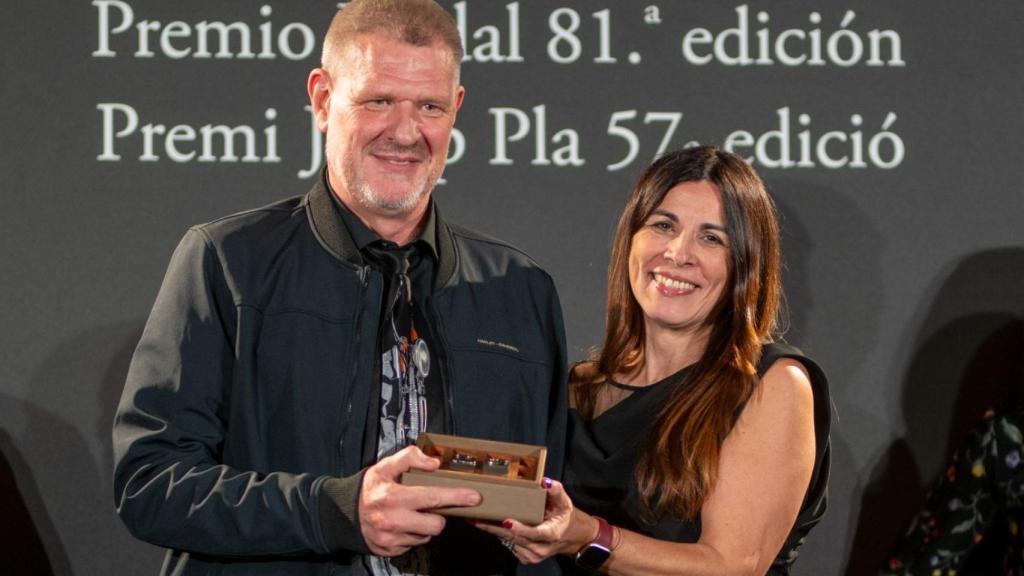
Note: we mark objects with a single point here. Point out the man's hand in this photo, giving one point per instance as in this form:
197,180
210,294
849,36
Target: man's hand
393,517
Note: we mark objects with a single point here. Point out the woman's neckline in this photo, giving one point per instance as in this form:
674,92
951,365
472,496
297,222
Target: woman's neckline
630,387
640,388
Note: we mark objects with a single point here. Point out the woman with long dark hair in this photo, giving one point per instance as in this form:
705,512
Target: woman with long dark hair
697,445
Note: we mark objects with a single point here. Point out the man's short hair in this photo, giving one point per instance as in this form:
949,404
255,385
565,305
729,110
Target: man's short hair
416,22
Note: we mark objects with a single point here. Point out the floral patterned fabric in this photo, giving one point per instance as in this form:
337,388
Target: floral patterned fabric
982,490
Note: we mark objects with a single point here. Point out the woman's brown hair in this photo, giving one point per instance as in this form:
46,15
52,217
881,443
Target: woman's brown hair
678,462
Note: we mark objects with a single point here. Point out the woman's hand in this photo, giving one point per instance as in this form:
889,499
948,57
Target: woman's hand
564,530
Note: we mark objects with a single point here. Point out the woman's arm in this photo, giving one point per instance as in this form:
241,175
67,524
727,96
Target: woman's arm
764,471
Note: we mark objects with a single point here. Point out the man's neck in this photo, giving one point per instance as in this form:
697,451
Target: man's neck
398,229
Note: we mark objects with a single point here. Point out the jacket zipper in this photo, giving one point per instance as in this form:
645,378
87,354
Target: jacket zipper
447,377
356,345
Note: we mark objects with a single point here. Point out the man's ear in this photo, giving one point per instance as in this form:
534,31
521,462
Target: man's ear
319,89
460,94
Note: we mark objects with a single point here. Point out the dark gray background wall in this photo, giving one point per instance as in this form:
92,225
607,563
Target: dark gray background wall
892,149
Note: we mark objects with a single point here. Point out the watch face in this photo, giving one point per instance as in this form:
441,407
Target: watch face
592,557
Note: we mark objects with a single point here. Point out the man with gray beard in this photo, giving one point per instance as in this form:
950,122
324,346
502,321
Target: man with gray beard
295,352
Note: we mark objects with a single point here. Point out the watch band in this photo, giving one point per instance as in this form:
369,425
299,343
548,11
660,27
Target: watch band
604,533
596,552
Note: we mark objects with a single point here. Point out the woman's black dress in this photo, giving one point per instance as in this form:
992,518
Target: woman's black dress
602,456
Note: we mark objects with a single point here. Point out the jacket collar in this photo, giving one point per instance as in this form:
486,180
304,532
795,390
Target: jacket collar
330,230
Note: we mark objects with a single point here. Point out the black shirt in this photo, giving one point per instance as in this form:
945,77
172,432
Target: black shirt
602,455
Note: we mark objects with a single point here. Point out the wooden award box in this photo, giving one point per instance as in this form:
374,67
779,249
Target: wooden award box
507,475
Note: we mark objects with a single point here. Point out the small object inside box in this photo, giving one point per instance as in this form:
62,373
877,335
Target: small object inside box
462,462
497,466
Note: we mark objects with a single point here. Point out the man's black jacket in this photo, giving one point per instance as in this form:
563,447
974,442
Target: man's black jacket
238,438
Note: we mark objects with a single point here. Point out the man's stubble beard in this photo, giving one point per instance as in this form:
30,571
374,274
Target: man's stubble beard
369,198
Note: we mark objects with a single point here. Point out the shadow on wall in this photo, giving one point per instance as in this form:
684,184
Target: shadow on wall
24,443
834,296
21,546
797,250
825,275
57,444
966,358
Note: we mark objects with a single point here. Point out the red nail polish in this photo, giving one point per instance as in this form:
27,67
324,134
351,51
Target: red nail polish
546,483
507,524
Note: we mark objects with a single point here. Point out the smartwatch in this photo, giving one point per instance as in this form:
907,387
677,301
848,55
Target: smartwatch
594,554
